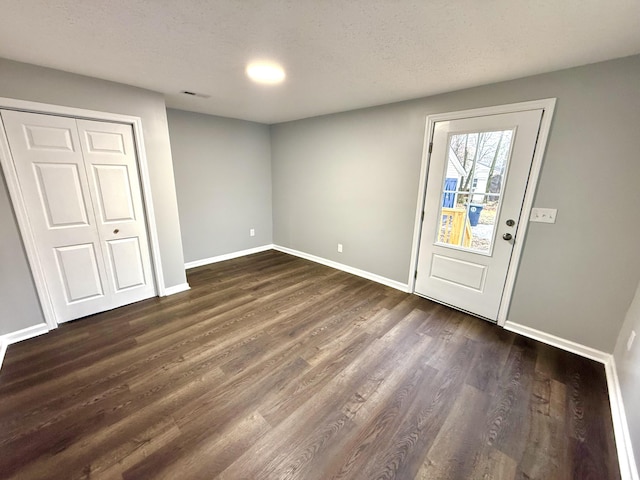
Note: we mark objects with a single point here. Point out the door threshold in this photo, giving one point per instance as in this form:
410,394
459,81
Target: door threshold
453,307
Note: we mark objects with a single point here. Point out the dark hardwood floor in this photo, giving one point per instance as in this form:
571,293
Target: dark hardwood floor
273,367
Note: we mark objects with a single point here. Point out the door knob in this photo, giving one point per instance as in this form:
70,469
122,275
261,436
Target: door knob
507,236
116,231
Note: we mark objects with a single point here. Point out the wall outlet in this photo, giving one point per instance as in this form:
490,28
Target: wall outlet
543,215
632,337
252,232
339,248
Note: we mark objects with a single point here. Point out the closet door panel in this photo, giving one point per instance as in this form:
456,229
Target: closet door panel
51,171
114,184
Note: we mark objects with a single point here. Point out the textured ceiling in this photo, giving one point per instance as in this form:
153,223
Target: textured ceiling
338,54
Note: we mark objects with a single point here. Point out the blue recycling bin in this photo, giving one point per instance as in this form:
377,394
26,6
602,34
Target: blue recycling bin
474,213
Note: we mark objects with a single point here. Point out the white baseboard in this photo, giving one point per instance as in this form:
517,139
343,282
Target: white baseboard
345,268
626,460
330,263
3,350
20,335
42,328
25,333
559,342
227,256
183,287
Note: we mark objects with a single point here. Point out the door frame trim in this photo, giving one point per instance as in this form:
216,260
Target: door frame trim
548,107
19,206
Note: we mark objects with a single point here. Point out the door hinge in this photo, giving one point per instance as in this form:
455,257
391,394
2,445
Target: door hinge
415,275
422,216
430,147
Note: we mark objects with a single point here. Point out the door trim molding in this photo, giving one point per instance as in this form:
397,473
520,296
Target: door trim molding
19,207
183,287
548,106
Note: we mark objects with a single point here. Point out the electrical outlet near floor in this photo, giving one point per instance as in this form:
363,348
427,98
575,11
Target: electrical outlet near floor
632,337
252,232
339,248
543,215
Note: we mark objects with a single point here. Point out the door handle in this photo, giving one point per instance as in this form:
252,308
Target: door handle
507,236
116,231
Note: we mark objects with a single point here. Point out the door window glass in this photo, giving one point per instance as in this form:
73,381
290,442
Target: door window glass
471,194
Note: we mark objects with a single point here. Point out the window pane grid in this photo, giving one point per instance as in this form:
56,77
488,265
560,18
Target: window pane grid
472,189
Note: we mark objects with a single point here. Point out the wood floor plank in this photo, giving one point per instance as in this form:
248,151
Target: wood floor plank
274,367
509,417
339,394
451,455
491,464
373,439
404,447
206,458
544,455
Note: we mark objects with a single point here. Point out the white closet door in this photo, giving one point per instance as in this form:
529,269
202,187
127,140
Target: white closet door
51,172
55,180
114,184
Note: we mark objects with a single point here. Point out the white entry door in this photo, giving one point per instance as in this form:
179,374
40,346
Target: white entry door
478,173
79,181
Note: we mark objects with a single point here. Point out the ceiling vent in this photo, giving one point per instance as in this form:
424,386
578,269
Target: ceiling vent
194,94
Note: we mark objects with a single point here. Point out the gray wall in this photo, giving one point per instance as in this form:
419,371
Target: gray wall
628,367
29,82
223,181
19,304
353,178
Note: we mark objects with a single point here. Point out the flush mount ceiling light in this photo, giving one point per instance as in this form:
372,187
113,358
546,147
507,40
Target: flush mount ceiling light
267,73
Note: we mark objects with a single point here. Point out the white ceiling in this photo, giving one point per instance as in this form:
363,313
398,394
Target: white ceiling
338,54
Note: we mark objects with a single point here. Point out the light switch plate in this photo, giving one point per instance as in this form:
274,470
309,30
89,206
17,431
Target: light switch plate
543,215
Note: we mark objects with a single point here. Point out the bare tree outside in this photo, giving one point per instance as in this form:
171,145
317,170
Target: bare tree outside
489,149
480,170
